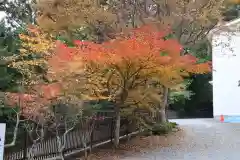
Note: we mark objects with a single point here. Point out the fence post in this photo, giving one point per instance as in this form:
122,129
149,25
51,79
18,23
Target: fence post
111,128
127,127
25,151
91,140
92,125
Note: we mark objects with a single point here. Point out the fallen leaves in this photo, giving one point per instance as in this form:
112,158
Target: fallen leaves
137,145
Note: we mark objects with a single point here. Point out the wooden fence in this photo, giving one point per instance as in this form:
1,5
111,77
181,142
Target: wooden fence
102,131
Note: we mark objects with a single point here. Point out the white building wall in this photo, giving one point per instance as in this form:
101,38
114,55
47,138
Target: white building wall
226,74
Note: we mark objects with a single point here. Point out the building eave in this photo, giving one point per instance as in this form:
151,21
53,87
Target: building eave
224,27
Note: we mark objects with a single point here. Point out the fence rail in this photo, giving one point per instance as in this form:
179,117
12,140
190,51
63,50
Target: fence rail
102,131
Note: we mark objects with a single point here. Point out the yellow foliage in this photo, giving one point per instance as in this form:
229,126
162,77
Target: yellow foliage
66,14
36,41
234,1
190,19
36,47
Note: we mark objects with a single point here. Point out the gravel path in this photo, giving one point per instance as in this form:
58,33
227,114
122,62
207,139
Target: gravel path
204,139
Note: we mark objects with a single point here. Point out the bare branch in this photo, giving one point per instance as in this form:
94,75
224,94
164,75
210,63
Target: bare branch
15,132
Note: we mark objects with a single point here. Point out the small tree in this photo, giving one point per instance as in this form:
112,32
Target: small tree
34,95
65,116
36,132
32,111
16,118
87,125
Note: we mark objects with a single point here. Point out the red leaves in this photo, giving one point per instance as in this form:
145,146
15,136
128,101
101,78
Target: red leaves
31,106
35,105
142,43
63,53
186,60
60,60
49,91
13,99
189,58
173,47
201,68
77,42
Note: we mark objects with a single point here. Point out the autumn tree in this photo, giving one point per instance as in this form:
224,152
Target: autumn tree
190,20
126,70
132,71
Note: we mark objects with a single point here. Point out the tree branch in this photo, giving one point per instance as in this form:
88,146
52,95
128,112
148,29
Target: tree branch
13,142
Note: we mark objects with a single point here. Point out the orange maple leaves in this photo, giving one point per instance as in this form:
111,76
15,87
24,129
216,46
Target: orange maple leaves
144,43
145,52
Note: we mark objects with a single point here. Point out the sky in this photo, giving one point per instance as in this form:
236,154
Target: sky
2,14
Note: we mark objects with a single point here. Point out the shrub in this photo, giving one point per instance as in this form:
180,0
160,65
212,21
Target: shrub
163,128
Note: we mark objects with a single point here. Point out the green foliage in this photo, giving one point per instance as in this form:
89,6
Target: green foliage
18,12
200,90
81,33
9,41
202,98
200,50
163,53
182,94
9,77
9,45
201,86
163,128
232,12
84,33
7,111
169,36
179,99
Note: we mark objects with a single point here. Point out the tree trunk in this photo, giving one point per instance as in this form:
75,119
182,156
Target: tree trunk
163,108
85,150
60,147
117,127
62,155
162,115
32,151
209,48
85,153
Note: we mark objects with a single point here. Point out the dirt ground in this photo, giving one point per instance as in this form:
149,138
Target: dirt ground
138,144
